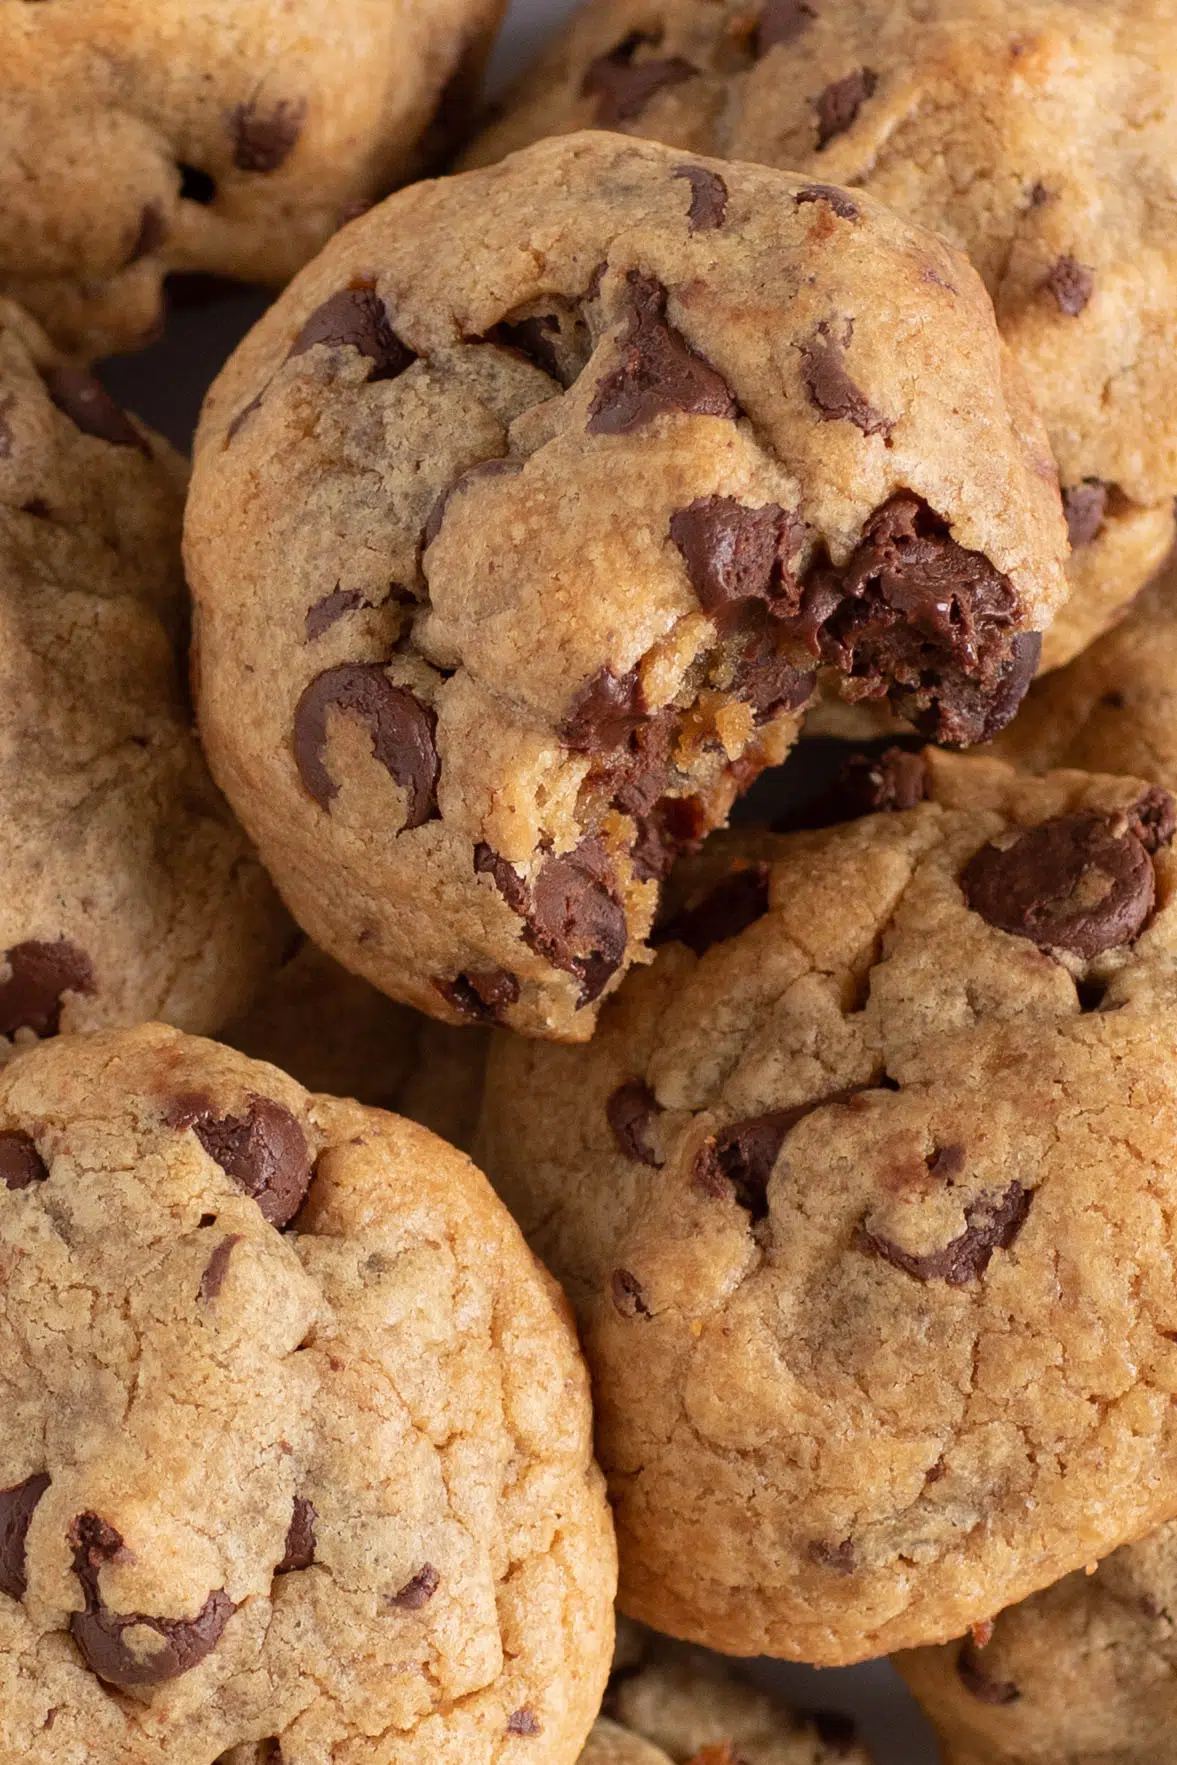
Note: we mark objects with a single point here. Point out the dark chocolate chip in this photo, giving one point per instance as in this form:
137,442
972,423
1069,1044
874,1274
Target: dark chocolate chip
17,1506
196,185
839,105
734,553
629,1111
1154,818
833,198
992,1222
90,408
264,140
21,1165
829,386
729,908
356,318
623,87
739,1160
151,233
40,975
326,612
1085,504
979,1683
626,1292
841,1558
264,1151
299,1549
659,371
867,784
765,675
98,1632
782,21
401,728
577,920
1072,285
482,995
1072,883
511,886
524,1721
418,1591
605,712
708,198
502,468
217,1267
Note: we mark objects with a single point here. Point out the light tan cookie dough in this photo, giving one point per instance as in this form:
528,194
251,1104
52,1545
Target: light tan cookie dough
521,522
139,137
864,1196
330,1487
1039,138
1084,1671
128,890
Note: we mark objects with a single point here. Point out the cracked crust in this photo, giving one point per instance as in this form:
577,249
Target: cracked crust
615,456
356,1455
1036,137
876,1287
129,890
231,136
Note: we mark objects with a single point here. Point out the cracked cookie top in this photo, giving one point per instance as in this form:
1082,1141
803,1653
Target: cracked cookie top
295,1449
864,1196
521,525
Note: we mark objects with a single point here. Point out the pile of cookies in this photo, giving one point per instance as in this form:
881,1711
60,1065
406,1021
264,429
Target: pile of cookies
756,373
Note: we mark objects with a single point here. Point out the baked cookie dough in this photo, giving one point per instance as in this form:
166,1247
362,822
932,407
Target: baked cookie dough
128,889
520,524
1086,1670
864,1196
1039,136
140,137
322,1493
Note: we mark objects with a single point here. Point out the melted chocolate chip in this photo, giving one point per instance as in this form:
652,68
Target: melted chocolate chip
299,1550
90,408
765,676
991,1223
264,1151
729,908
1072,883
1085,505
401,728
782,21
708,198
524,1721
838,106
482,995
626,1292
658,371
1072,285
739,1160
323,614
576,921
979,1683
419,1591
264,140
629,1111
829,387
17,1506
21,1165
1154,818
867,784
623,87
832,197
670,826
151,233
40,975
217,1267
98,1632
356,318
605,712
734,553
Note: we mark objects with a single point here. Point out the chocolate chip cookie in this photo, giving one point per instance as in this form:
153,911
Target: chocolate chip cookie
1038,137
128,889
864,1195
522,522
295,1445
1086,1670
140,137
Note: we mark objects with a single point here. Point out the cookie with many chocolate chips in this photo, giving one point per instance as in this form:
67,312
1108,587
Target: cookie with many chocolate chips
295,1441
1085,1670
865,1204
520,525
224,136
1037,135
129,891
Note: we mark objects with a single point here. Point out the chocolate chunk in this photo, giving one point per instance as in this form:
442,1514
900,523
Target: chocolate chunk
1072,883
838,106
1072,285
729,908
401,728
765,676
196,185
21,1165
626,1292
623,87
151,232
832,197
708,198
17,1506
503,468
867,784
739,1160
356,318
604,713
629,1111
264,140
577,921
734,553
217,1267
98,1632
40,975
323,614
1154,818
481,995
264,1151
658,371
782,21
90,408
975,1679
992,1222
299,1550
841,1558
830,388
418,1591
836,1731
524,1721
1085,505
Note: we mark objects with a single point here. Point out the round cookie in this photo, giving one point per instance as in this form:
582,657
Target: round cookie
329,1488
1086,1670
864,1196
1039,138
141,137
128,889
519,525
